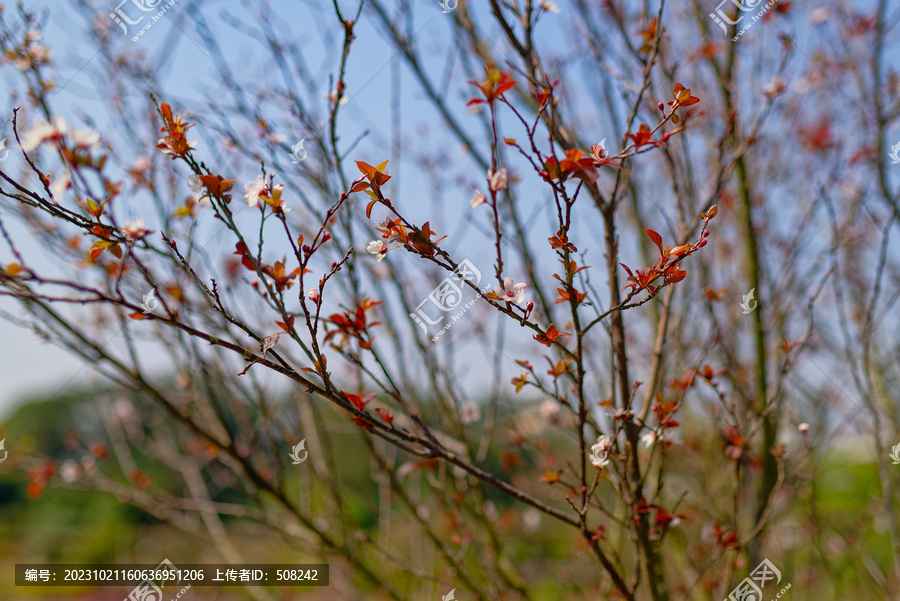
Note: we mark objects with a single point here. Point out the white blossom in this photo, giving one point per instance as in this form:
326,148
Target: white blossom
253,189
497,179
600,451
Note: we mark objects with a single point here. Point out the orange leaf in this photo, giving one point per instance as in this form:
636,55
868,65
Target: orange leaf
98,247
552,477
520,381
13,269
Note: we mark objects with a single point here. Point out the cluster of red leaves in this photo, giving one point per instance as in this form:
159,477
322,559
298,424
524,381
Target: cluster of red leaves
661,519
550,336
664,412
725,537
560,368
648,35
353,324
687,377
359,401
569,293
643,137
575,164
422,242
735,447
683,97
393,230
141,480
217,187
175,141
105,234
280,279
375,178
247,261
38,477
496,83
666,267
561,240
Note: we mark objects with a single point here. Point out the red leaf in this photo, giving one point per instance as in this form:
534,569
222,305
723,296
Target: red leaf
385,415
677,276
287,327
657,239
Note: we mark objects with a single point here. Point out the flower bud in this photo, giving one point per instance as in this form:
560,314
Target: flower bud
661,106
305,249
702,243
803,427
314,295
326,237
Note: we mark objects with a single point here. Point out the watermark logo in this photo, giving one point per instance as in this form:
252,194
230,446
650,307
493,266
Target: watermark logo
3,152
145,6
298,154
894,154
599,152
149,591
895,453
750,588
149,302
5,452
721,19
295,452
119,16
449,596
448,297
449,6
749,304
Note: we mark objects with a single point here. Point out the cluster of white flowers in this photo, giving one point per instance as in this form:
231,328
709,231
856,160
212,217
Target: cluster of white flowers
58,130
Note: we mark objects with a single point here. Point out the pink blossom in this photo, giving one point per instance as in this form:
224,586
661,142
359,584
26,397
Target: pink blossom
511,293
